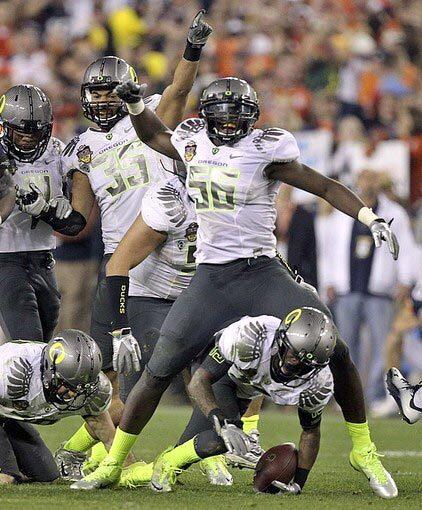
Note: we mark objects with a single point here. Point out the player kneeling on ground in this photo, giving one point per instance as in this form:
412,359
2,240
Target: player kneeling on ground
42,383
285,360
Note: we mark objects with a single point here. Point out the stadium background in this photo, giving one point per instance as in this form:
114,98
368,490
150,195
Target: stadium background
341,74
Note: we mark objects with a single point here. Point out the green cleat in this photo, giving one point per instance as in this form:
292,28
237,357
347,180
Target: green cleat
89,466
215,468
107,474
367,462
165,473
138,474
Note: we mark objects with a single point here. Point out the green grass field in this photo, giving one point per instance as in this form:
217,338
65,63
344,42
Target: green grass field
332,484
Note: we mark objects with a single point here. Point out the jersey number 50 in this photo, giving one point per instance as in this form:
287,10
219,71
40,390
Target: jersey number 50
216,187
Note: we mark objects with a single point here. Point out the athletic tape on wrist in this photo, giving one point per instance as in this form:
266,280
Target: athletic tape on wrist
367,216
136,108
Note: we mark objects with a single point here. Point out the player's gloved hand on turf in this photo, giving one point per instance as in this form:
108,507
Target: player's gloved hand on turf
234,438
126,352
69,464
382,231
131,92
61,206
199,30
290,488
32,202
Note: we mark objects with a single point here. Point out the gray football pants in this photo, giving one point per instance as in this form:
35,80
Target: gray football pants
23,454
29,299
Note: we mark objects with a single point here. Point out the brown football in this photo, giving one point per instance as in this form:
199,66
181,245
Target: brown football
277,463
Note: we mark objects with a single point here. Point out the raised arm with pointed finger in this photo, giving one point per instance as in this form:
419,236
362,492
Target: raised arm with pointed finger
173,101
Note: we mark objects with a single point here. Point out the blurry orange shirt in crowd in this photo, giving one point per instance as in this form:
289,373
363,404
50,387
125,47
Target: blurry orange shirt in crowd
226,52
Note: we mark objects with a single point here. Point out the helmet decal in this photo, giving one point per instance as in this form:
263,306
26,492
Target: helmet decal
2,102
293,316
57,353
133,74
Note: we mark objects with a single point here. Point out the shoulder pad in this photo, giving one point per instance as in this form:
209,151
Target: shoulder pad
267,136
189,127
70,147
251,338
99,401
172,203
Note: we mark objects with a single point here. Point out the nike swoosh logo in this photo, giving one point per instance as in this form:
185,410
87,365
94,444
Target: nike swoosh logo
47,162
128,129
232,156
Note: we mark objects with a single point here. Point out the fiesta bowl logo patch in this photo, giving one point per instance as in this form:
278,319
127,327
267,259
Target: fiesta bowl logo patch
190,151
84,154
191,232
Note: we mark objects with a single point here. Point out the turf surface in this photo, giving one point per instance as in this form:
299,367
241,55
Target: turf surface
332,484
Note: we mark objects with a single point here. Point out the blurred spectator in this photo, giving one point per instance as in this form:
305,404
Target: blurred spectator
295,228
363,283
78,259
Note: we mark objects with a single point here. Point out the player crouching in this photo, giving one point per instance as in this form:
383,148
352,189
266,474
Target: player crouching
42,383
285,360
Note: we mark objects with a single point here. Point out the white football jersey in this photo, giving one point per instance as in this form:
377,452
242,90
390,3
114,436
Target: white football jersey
249,345
166,207
47,174
120,168
21,390
234,199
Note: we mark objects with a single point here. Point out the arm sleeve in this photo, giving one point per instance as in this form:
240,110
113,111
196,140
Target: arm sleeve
215,364
286,148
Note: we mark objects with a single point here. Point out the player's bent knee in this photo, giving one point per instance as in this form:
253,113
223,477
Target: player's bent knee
208,443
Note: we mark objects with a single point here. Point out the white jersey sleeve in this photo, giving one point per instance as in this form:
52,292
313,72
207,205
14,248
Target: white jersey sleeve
242,343
100,400
163,207
276,145
152,101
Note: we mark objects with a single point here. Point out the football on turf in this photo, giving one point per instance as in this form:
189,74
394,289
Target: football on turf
278,463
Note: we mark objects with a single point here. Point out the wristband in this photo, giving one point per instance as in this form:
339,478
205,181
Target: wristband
136,108
192,53
301,476
118,288
367,216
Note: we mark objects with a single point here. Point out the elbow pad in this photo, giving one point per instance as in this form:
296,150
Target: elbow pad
70,226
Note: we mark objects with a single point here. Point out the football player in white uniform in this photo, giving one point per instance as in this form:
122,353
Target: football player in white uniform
43,383
27,284
284,360
233,175
111,165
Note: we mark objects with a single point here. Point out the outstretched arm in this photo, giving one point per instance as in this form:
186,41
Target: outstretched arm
173,101
339,196
147,124
140,240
